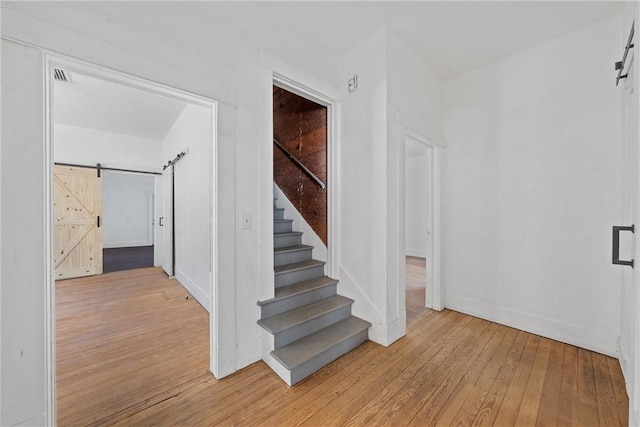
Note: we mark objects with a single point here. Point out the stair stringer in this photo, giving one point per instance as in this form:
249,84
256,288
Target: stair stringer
382,331
299,223
268,346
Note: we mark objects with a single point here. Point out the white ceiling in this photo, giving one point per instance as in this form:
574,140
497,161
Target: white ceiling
102,105
454,37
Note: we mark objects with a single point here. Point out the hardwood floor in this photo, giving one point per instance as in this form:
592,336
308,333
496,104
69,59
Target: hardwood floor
133,351
416,282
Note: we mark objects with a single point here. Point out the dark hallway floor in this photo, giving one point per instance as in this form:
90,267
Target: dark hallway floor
119,259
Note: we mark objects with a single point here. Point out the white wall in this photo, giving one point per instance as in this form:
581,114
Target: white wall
362,215
24,343
416,203
191,131
396,89
531,180
22,325
73,144
126,210
227,73
415,93
416,105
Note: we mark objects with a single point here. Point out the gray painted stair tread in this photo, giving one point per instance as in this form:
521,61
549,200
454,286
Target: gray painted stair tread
288,233
297,266
304,349
299,288
291,249
289,319
282,220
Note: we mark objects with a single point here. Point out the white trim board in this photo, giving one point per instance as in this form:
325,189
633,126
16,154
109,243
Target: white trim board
127,244
415,253
590,339
328,98
275,72
194,290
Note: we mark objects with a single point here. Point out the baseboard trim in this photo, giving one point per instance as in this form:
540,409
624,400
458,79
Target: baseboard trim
598,341
126,244
415,253
194,290
248,352
623,358
226,357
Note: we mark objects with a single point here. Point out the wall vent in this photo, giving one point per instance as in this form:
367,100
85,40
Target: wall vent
60,75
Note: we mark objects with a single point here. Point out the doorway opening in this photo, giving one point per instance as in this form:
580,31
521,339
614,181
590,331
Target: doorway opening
128,221
420,215
300,163
418,226
110,138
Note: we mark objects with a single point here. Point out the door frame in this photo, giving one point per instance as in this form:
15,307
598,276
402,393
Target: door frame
320,99
52,60
434,298
274,72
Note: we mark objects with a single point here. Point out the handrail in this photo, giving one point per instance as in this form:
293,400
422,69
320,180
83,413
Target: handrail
300,165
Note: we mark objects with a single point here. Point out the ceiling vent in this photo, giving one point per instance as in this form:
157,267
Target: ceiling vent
60,75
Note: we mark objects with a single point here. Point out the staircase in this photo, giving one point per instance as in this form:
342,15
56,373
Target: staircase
309,325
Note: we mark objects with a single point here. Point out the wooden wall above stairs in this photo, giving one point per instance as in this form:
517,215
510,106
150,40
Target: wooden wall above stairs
300,126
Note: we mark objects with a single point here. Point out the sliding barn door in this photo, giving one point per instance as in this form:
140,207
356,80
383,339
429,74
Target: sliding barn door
167,223
77,211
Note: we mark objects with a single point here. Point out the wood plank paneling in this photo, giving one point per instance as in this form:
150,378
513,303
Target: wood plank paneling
131,350
300,126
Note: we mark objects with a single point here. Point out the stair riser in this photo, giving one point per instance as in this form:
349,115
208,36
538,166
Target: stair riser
278,214
284,241
282,227
289,278
296,301
304,370
307,328
292,257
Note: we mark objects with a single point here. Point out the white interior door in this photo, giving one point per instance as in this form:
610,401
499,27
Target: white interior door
167,221
428,164
158,230
629,243
631,94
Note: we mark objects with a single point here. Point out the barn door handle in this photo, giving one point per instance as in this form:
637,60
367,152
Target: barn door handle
616,244
160,221
98,221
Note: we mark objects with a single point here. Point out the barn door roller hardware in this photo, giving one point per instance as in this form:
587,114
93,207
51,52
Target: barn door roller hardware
99,168
616,244
620,64
175,159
